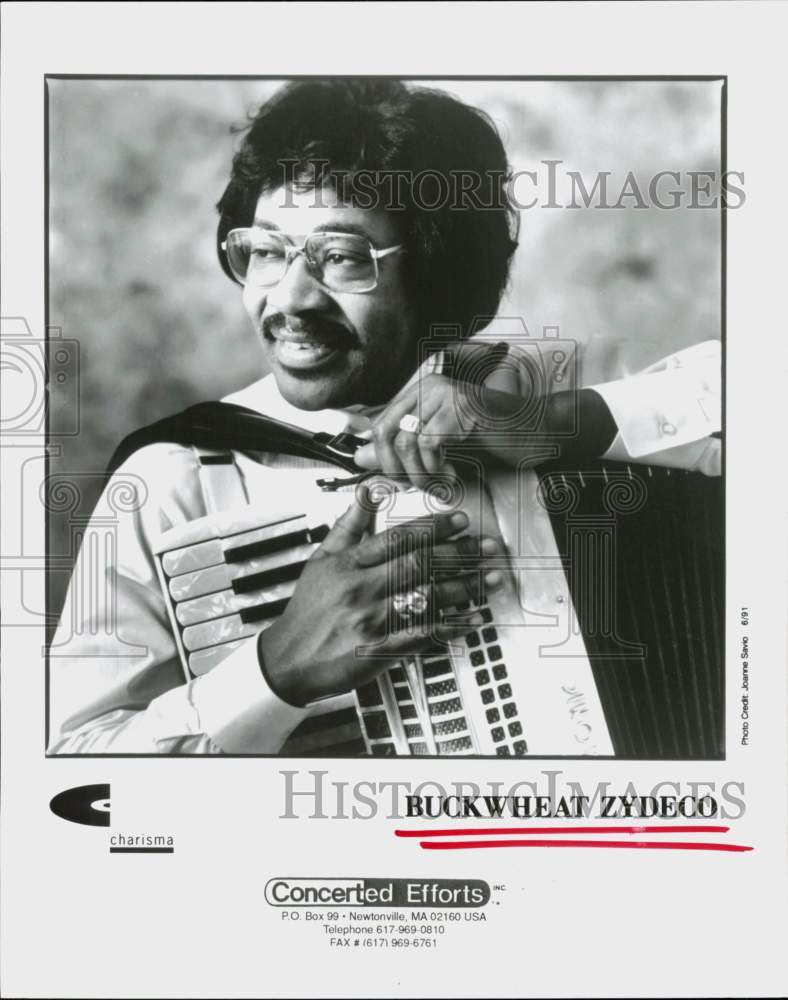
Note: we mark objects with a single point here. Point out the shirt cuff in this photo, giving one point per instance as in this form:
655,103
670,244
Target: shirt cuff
237,708
661,410
699,456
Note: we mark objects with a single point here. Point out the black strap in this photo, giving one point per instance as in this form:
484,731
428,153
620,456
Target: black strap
226,426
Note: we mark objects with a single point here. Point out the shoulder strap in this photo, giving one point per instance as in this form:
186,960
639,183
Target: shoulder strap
221,481
226,427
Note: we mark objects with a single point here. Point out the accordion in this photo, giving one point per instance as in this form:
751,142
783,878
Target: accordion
627,663
230,574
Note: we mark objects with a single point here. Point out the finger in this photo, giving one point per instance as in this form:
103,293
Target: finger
426,562
406,445
387,429
389,544
423,401
461,555
428,640
430,450
402,644
367,457
383,434
397,637
440,428
424,565
473,586
423,398
352,526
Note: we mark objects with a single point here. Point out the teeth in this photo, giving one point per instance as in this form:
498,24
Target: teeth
302,352
289,346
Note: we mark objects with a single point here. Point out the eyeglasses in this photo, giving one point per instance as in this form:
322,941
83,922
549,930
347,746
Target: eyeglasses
342,262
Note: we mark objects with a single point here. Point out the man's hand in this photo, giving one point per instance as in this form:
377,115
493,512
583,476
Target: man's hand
417,455
343,601
572,426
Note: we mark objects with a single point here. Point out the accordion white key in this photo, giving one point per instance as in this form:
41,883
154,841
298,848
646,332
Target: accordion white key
230,574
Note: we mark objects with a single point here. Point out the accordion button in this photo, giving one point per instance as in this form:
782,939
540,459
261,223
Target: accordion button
369,695
446,707
450,727
455,746
442,687
377,725
436,668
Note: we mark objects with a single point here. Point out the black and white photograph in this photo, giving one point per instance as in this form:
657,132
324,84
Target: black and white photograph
408,393
392,556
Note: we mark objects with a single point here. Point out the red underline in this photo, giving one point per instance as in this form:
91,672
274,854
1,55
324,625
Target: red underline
496,830
665,845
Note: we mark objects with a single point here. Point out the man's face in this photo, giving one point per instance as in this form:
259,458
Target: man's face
332,349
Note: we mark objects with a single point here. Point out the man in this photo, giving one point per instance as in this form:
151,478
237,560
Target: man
346,273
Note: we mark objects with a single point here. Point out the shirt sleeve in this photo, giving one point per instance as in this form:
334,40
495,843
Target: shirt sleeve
667,414
116,681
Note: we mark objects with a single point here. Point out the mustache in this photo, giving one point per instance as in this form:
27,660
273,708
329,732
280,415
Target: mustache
312,325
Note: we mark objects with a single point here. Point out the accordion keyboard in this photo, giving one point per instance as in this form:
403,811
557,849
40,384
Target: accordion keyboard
465,695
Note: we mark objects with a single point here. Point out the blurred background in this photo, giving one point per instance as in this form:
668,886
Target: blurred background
137,166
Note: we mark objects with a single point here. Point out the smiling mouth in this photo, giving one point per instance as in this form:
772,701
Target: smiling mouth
302,354
300,350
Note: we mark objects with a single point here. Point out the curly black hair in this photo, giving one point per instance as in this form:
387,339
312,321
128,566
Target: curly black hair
460,227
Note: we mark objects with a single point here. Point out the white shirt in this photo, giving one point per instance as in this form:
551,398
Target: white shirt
116,682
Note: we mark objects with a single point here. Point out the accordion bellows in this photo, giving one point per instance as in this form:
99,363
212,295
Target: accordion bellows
660,668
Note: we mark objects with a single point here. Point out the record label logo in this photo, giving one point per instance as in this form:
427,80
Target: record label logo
88,804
